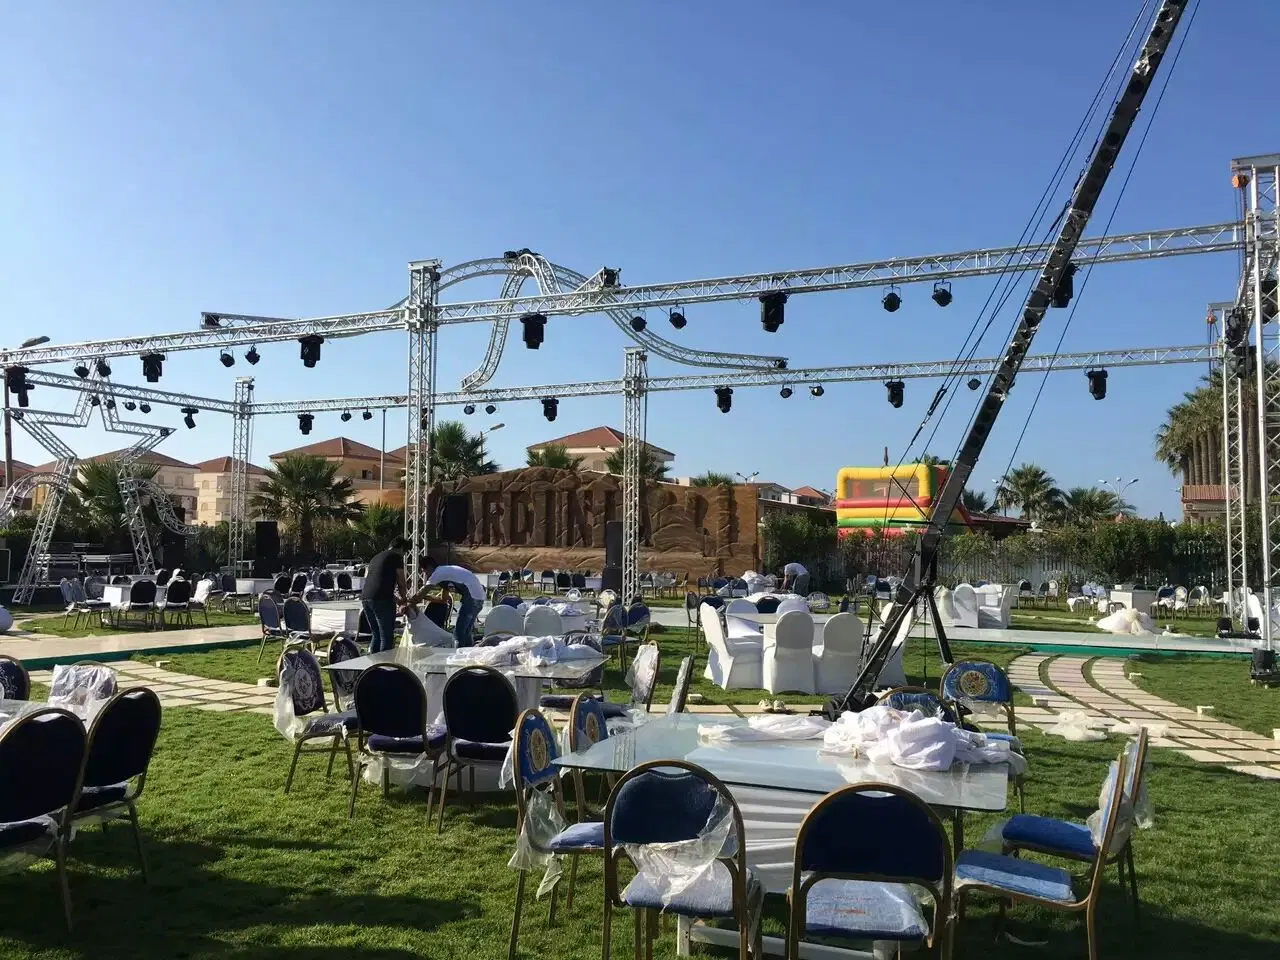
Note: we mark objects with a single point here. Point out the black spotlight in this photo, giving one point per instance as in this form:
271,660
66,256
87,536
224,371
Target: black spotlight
104,368
15,379
490,409
310,349
111,404
152,366
346,416
1066,288
130,405
94,400
772,310
785,393
1097,384
190,416
638,323
550,407
144,407
534,326
304,422
252,355
895,388
974,383
80,370
469,409
210,321
227,358
942,293
608,276
367,415
817,390
892,301
724,399
677,319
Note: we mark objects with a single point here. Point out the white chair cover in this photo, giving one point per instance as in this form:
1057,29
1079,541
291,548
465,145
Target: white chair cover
838,658
731,663
788,655
503,619
740,605
542,621
793,604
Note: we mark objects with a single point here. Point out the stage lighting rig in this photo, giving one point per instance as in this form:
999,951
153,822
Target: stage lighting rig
1066,288
252,355
942,293
895,389
15,379
724,399
310,349
152,366
785,393
367,415
974,383
550,407
95,401
1097,384
817,390
638,323
490,409
189,417
210,321
81,370
227,358
772,310
534,329
130,405
609,276
892,300
144,407
111,404
305,420
469,409
346,416
104,368
677,319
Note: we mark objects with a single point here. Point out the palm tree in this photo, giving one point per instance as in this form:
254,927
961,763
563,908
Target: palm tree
98,502
301,490
377,525
1032,490
712,479
554,455
457,454
976,501
652,467
1088,505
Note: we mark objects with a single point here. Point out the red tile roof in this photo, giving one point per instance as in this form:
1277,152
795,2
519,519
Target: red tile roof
810,492
153,456
337,447
223,465
606,437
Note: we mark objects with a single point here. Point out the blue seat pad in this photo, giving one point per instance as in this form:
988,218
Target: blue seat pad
613,711
482,752
864,909
580,836
91,798
1072,839
997,872
23,831
328,723
378,743
698,900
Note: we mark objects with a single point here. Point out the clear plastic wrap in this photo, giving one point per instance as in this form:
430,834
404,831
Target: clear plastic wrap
287,722
672,868
1124,814
1078,727
402,771
81,688
764,727
640,675
542,821
19,858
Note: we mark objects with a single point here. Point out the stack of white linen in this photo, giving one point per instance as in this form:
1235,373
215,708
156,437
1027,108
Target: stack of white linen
914,741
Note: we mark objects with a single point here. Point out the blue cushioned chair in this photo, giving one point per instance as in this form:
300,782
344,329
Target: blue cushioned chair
980,681
669,801
269,618
121,741
767,604
587,726
391,711
917,698
1073,841
1011,878
613,632
342,682
298,672
859,853
511,600
44,752
535,770
480,709
15,684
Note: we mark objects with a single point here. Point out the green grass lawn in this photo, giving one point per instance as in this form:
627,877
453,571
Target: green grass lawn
1221,682
1053,618
53,625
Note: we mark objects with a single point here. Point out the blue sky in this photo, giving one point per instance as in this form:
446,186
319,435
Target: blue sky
289,158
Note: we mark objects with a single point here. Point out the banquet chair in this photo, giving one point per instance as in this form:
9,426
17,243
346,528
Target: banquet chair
533,766
790,604
587,726
176,601
787,655
301,686
282,583
142,601
343,586
691,610
666,802
818,602
613,632
230,596
298,584
325,581
564,582
503,619
44,751
342,682
838,659
680,692
563,701
732,663
269,619
542,621
199,601
163,576
297,620
643,679
480,710
121,741
391,713
860,884
15,682
739,606
767,605
969,682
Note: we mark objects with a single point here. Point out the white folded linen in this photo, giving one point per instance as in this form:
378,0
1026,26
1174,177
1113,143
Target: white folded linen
765,727
914,741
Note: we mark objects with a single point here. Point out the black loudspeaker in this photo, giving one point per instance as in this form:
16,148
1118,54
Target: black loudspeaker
173,546
266,542
611,579
613,544
455,519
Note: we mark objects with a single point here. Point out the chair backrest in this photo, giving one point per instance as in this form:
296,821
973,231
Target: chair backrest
563,581
344,681
64,590
637,615
268,612
587,723
542,621
437,611
162,576
120,579
534,754
42,752
713,627
390,700
644,675
77,591
842,634
899,839
325,580
282,583
1112,796
179,591
680,694
228,583
298,583
712,600
93,587
298,670
344,581
578,581
15,683
296,615
122,738
792,603
978,681
502,618
510,600
793,633
691,603
614,621
917,698
766,605
664,801
142,591
203,588
479,704
740,605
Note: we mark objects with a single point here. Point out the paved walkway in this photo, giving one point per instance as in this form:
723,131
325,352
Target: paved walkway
40,650
182,690
1113,698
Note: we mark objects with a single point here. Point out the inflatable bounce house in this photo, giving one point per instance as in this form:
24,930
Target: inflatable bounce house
894,500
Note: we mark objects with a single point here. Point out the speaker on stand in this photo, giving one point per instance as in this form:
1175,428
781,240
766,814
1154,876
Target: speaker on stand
266,548
611,575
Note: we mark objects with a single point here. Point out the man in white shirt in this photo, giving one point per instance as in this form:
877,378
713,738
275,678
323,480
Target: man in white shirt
795,578
470,590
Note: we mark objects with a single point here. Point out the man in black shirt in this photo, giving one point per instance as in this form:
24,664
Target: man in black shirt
384,586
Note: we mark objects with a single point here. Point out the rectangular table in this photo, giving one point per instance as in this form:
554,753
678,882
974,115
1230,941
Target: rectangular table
335,616
765,618
435,660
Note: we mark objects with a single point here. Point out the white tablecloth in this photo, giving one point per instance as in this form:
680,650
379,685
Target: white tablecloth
117,594
336,616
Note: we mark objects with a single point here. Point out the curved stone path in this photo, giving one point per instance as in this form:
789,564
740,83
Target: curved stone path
1113,697
184,690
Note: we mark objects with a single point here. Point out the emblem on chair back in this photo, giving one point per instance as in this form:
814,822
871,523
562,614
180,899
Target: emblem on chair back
587,725
340,649
300,669
535,749
977,680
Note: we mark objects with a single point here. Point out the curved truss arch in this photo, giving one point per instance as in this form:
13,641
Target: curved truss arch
164,507
24,487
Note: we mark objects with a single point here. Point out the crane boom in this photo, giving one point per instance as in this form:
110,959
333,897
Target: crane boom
1052,284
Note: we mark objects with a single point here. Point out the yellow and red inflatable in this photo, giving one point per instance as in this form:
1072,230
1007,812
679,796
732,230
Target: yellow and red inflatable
892,500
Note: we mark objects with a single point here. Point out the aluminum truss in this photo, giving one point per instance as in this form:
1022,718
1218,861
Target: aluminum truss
1233,468
241,449
224,330
420,320
633,439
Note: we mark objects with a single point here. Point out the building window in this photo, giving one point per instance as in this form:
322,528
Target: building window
366,474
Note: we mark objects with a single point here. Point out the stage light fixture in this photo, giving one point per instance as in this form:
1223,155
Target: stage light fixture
189,417
895,388
772,310
367,415
152,366
724,399
346,416
305,420
974,383
892,300
942,293
15,379
252,355
550,407
310,349
1097,384
130,405
144,407
111,404
104,368
534,329
638,323
81,370
609,276
1066,288
785,393
95,401
210,321
227,358
469,409
817,390
490,409
677,319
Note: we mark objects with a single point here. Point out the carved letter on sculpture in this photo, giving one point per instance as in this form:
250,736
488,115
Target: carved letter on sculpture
519,518
492,532
578,518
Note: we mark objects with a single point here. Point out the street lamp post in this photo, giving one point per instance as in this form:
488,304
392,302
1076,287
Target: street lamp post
747,479
8,421
483,434
1001,503
1118,486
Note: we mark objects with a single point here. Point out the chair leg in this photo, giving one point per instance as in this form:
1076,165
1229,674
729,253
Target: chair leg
444,792
60,854
515,918
137,840
637,917
355,785
386,780
1133,883
1091,931
333,753
606,926
573,879
262,648
297,752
